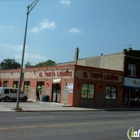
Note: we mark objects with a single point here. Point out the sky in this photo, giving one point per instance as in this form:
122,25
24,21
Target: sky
56,27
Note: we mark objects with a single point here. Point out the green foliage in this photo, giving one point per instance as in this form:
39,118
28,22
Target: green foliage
46,63
9,64
28,64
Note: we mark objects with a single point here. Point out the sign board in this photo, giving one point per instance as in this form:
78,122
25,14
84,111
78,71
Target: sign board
131,82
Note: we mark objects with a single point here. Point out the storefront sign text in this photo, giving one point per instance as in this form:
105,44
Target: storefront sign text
100,76
56,74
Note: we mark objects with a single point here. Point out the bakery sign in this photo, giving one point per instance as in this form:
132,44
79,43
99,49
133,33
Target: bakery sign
98,76
55,74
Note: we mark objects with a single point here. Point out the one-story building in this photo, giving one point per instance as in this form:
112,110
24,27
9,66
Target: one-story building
74,85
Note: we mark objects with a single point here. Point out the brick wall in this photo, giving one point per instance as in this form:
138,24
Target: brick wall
112,61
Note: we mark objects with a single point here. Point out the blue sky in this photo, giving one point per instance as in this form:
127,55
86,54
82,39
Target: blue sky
57,27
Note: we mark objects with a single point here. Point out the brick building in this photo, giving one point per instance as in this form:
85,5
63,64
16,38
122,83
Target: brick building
125,64
127,61
70,84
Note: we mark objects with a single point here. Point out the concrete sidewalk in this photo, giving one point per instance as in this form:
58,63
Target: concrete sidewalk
33,106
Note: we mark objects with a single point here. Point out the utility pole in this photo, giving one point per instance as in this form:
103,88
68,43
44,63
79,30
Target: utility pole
29,8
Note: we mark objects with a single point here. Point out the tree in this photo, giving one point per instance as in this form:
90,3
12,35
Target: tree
46,63
27,65
9,64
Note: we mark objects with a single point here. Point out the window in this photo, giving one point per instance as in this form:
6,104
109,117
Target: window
26,87
13,90
132,69
111,91
40,87
5,84
87,90
15,84
6,91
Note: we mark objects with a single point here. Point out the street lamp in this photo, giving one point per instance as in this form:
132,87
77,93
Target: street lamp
29,8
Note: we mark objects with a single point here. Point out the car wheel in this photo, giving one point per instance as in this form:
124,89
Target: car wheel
6,99
24,99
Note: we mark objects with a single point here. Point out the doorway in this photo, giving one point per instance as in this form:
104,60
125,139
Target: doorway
135,97
132,97
56,90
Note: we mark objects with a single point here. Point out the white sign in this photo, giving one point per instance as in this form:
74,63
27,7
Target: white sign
131,82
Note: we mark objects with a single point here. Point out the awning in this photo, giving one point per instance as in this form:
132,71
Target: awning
56,81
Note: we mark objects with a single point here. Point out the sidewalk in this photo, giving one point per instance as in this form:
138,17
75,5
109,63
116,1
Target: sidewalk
51,106
33,106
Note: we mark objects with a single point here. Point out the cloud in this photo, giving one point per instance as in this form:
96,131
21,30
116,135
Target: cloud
14,47
19,47
74,30
1,27
35,30
29,57
45,24
65,2
6,27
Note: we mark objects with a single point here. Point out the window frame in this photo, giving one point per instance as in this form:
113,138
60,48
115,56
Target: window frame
27,87
7,90
13,90
87,90
109,92
132,69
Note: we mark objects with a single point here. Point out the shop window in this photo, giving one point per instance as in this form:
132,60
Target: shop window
132,69
15,84
5,84
111,91
135,97
26,87
87,90
40,87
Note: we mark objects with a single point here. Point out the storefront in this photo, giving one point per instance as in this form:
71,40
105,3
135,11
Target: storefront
97,87
70,84
132,92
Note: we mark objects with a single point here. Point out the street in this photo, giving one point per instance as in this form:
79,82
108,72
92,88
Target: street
81,125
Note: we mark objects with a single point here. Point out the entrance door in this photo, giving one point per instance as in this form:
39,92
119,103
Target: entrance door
56,90
100,99
134,97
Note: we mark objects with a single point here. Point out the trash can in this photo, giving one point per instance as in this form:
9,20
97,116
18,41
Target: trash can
42,98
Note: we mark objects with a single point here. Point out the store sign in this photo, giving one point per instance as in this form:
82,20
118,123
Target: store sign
55,74
100,76
131,82
81,74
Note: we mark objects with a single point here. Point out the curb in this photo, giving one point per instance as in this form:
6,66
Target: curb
55,110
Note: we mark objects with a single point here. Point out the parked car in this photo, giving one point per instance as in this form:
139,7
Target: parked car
9,93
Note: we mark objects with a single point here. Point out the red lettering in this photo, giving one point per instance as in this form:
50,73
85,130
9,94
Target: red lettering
40,74
96,76
64,74
110,77
85,74
50,74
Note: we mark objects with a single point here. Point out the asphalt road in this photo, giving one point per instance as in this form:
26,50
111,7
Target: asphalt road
85,125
